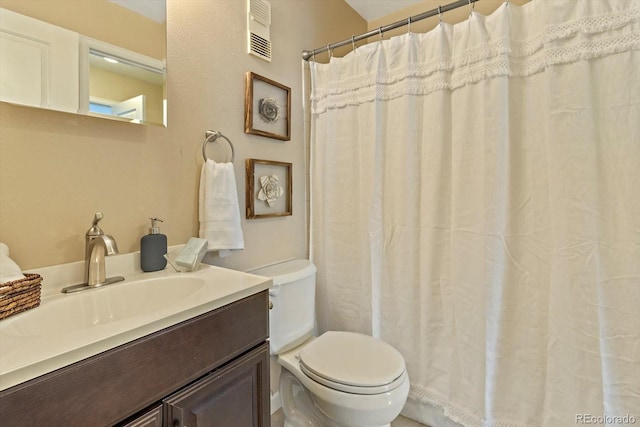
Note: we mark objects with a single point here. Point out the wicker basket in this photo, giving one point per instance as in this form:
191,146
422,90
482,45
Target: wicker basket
20,295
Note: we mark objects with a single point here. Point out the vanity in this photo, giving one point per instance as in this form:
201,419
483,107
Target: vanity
158,349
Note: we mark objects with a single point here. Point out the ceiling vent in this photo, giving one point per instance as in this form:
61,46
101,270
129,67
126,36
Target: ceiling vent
258,28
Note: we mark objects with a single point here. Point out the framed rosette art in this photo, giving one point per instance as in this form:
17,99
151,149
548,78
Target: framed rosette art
267,108
269,191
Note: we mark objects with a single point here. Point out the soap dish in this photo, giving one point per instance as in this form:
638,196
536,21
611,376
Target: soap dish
171,259
189,257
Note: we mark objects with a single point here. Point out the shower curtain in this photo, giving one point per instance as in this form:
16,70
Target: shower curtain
475,202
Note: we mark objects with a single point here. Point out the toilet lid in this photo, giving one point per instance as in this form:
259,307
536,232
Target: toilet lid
350,362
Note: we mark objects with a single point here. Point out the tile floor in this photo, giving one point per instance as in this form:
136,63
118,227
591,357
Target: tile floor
277,420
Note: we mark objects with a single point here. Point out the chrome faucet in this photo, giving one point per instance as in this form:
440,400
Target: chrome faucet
97,246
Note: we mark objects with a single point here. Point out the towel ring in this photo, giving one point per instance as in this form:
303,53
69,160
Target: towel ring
211,136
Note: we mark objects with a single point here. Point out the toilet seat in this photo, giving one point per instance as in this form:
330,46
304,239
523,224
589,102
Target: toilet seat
353,363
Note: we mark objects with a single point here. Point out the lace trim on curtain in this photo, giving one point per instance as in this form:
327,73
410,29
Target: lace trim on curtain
502,57
458,413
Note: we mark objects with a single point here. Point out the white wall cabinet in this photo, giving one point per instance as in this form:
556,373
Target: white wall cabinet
38,63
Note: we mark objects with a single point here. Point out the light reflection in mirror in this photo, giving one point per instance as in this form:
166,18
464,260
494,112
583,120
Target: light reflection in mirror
124,89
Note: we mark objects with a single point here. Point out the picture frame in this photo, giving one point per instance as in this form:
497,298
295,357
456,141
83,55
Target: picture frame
269,190
267,108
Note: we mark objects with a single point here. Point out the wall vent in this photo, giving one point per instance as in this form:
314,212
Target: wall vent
259,29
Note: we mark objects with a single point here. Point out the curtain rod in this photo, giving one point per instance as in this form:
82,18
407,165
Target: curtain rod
308,54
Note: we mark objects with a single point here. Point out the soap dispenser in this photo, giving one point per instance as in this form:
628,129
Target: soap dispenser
153,248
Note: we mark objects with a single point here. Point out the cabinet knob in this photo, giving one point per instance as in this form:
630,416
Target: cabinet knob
270,305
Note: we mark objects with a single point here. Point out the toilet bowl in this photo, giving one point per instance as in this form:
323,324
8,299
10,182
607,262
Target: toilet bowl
351,379
338,379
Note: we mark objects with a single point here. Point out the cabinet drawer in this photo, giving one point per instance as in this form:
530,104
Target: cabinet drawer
116,384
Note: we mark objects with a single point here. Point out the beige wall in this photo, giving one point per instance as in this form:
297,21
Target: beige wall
58,169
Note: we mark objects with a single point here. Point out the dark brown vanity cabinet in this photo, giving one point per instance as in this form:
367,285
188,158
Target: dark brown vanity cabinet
152,418
227,397
209,371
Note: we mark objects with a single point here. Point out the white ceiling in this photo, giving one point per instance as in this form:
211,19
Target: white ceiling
153,9
368,9
374,9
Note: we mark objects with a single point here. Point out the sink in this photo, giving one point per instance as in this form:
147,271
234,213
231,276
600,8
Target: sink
68,328
70,313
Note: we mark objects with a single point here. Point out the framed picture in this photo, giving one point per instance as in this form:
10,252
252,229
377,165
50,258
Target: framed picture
269,190
267,108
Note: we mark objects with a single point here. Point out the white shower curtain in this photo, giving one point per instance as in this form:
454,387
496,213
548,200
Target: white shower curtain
476,203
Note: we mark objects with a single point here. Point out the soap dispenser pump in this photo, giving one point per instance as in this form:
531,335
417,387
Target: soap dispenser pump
153,248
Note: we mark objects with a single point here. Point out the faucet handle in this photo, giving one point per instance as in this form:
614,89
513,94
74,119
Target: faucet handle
95,230
97,217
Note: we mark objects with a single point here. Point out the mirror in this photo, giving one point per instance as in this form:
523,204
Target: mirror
104,58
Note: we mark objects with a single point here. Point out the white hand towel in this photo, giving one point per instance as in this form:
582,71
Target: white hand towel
9,270
219,210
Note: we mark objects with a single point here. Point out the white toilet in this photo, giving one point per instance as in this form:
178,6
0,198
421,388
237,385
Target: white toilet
339,379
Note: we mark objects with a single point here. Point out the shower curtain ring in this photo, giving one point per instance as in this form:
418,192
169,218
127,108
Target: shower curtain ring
409,24
380,32
440,14
353,43
330,51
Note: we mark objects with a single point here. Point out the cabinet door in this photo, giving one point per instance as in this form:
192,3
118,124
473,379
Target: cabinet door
153,418
235,395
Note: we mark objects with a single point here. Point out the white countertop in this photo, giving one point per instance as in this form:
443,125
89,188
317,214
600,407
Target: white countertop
26,356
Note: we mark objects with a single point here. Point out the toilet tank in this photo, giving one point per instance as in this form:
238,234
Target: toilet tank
292,317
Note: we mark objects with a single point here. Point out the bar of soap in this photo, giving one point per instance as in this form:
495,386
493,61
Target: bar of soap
191,255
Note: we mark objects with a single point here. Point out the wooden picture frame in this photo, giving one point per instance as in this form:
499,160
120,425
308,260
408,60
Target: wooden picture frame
267,108
269,190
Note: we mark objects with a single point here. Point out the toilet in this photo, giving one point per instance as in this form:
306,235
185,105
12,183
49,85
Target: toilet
338,379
